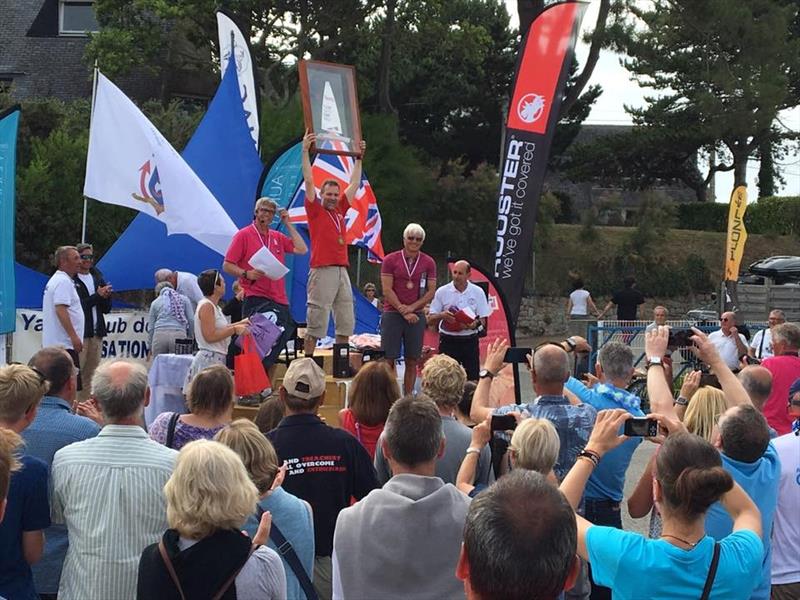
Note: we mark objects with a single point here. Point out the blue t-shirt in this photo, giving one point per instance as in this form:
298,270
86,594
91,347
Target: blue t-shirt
760,480
607,481
637,568
27,510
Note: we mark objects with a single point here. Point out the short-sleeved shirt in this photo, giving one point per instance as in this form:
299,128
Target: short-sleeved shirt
785,371
447,297
726,346
27,510
608,478
327,467
762,343
627,301
786,533
573,424
184,433
60,291
580,303
247,242
421,271
188,286
760,480
327,228
635,567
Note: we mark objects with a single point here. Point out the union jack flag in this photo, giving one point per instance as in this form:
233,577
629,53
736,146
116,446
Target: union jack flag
363,220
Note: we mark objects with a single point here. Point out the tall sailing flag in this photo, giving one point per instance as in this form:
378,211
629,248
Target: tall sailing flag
131,164
9,124
542,69
737,234
233,44
363,220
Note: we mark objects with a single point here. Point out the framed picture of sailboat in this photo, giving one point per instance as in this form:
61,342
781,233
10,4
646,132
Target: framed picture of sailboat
330,106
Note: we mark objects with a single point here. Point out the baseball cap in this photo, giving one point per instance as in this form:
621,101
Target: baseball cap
304,379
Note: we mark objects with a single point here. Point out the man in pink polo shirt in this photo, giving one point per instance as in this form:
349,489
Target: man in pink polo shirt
785,369
262,294
328,280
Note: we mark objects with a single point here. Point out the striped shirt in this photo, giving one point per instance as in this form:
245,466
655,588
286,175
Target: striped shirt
109,492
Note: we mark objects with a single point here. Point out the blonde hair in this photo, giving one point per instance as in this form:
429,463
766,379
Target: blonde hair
704,410
443,380
254,449
535,445
21,389
9,442
208,490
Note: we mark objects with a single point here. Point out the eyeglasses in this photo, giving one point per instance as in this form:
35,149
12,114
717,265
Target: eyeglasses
414,239
725,319
87,257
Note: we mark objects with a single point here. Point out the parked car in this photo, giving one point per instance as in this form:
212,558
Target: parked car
781,269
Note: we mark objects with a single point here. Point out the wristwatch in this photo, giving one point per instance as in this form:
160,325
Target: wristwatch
681,401
484,373
654,360
244,274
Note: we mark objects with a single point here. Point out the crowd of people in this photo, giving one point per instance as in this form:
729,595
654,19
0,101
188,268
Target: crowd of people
429,490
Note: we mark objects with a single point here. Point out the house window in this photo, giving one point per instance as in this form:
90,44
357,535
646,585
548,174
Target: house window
76,17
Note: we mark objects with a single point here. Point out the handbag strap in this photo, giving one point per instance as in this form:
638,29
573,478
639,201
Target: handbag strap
170,569
286,550
232,578
173,422
712,572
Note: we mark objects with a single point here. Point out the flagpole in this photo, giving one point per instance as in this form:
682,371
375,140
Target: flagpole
358,269
94,95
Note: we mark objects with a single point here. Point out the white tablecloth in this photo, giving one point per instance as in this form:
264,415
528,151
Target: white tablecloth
166,377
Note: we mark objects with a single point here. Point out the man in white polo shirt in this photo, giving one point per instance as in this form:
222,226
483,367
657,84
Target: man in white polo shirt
730,344
62,312
457,338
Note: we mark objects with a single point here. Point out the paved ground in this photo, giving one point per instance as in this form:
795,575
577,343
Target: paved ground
640,457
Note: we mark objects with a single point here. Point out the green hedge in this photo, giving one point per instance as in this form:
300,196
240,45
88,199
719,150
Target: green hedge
772,215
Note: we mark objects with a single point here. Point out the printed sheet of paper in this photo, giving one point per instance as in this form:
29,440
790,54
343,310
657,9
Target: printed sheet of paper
265,261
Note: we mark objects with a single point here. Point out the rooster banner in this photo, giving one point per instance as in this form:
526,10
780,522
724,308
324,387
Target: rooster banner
542,69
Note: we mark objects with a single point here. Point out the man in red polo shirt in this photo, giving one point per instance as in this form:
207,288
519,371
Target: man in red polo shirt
328,280
262,294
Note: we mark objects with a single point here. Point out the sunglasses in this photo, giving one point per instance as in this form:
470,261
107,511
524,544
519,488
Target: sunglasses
87,257
414,239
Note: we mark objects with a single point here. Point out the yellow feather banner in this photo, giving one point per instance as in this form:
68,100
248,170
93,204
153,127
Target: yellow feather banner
737,234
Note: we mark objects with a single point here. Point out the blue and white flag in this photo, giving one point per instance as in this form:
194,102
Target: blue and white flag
131,164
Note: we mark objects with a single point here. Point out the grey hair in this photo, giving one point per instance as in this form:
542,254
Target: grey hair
778,313
520,535
550,365
787,333
83,246
265,200
414,228
61,253
616,359
758,387
163,284
163,275
413,430
119,397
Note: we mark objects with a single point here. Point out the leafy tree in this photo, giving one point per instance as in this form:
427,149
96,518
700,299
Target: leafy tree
721,70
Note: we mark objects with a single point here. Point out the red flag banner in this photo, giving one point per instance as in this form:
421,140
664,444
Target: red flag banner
542,69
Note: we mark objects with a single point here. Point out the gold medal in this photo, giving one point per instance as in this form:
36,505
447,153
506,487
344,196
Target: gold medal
341,240
410,285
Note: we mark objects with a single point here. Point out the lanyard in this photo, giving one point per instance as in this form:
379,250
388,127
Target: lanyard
261,237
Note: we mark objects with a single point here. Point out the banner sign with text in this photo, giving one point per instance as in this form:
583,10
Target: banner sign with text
542,69
737,234
127,335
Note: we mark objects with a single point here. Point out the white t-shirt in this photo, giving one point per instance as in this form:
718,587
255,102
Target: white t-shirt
786,526
187,285
60,290
764,351
88,281
580,303
473,297
726,346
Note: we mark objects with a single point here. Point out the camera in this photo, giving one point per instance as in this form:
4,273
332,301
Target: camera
641,427
503,422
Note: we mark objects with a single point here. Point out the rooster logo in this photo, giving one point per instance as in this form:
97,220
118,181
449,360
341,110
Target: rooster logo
150,188
530,107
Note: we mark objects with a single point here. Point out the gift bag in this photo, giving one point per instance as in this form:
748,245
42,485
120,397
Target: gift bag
248,373
263,332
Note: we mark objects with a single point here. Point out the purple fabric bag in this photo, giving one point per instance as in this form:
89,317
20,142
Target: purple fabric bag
263,332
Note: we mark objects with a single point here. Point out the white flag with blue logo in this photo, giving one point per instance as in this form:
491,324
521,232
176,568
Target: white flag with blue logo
131,164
